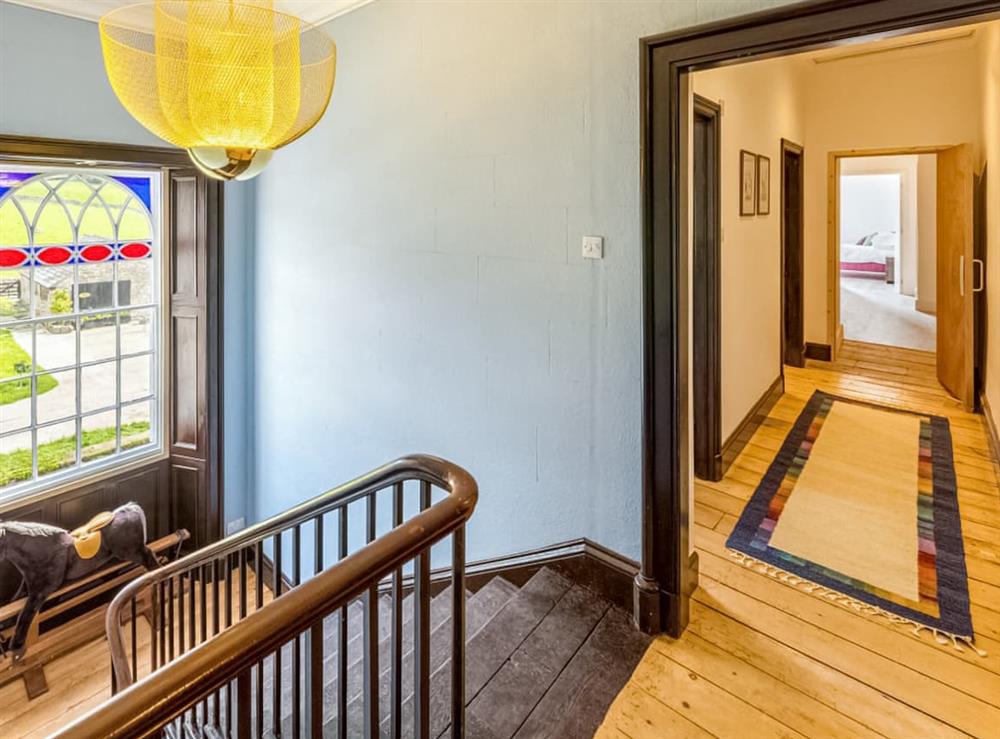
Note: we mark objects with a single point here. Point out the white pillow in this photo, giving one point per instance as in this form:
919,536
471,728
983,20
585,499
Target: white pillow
885,239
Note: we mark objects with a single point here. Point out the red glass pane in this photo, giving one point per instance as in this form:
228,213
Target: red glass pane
54,255
134,251
95,253
12,257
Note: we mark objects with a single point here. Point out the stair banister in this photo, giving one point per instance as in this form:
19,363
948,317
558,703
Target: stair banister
209,668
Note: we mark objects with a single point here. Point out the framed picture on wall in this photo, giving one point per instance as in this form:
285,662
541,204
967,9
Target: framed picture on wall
763,185
748,183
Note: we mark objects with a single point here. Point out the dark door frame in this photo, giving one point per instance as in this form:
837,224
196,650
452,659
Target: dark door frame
706,297
192,401
669,566
793,355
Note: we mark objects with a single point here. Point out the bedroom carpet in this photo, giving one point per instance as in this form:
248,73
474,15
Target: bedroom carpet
875,312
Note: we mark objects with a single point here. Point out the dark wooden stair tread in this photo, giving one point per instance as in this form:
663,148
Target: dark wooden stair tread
576,703
543,660
506,700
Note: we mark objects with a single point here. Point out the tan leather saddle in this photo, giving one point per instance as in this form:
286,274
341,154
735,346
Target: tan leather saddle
87,538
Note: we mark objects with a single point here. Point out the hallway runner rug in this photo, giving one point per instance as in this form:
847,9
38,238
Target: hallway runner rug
860,506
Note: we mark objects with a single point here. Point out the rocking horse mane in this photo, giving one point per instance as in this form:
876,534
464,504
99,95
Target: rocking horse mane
25,528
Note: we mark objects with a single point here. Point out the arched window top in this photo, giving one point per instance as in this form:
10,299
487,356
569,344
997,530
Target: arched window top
73,209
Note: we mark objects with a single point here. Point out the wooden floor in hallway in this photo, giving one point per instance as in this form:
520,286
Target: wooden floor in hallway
764,659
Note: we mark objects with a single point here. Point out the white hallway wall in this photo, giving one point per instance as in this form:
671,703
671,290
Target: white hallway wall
419,280
762,104
926,96
52,84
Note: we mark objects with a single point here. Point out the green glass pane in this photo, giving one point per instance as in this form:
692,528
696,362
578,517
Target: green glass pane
30,197
75,194
53,226
135,222
115,196
13,229
96,225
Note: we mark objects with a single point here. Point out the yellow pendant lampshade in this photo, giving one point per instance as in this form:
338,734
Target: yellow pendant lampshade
228,80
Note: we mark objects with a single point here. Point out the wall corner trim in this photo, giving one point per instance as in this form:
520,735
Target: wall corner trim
751,422
822,352
991,429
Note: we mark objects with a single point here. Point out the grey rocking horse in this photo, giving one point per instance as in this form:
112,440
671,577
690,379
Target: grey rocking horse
47,556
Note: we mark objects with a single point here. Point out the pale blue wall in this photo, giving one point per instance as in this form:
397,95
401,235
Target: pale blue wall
419,281
52,84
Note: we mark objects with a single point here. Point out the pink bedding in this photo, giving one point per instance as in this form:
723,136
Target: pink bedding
863,267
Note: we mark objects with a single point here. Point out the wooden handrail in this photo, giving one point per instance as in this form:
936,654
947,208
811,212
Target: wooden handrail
147,706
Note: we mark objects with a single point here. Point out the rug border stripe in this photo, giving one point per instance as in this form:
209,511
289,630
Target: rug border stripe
952,580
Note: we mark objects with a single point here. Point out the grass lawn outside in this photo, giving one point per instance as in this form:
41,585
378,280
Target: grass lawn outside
12,355
54,455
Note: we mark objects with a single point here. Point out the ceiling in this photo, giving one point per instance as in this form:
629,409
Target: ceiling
959,35
311,11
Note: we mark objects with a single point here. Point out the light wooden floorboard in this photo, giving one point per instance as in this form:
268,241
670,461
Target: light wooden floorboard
762,658
81,680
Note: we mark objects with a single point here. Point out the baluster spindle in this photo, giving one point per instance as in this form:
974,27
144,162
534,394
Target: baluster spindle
228,563
259,603
297,642
342,636
135,641
422,630
171,625
276,682
458,633
396,674
370,697
314,641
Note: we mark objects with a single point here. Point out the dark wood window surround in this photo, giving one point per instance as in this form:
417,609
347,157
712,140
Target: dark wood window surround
183,488
669,568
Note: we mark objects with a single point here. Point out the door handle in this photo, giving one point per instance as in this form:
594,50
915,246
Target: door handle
961,275
980,272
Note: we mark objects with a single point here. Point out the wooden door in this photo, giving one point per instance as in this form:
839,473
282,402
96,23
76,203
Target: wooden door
955,331
792,331
706,382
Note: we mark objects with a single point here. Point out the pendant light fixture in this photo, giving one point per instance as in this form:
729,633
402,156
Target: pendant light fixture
228,80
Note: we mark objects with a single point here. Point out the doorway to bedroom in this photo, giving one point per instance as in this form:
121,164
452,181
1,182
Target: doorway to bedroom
888,246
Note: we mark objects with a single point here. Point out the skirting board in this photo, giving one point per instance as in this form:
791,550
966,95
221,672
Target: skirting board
991,429
822,352
607,573
751,422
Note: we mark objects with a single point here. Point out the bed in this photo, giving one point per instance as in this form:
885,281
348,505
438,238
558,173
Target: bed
872,254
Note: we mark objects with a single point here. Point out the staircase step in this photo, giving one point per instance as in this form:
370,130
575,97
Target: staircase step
479,609
355,646
489,648
517,687
577,702
440,611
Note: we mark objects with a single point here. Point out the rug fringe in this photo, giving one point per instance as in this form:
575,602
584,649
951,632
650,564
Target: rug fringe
943,638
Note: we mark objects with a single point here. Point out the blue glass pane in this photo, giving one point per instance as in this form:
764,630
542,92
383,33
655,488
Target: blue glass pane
13,179
140,186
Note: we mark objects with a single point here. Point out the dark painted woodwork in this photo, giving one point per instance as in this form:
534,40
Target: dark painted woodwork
792,254
706,289
585,562
821,352
752,421
195,319
980,316
991,429
662,587
166,500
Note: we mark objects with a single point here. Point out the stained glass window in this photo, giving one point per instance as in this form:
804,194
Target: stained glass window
80,314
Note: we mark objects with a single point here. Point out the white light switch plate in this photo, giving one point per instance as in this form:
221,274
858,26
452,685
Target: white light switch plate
593,247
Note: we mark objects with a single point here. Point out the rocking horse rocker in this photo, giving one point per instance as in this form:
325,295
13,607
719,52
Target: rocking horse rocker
47,557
